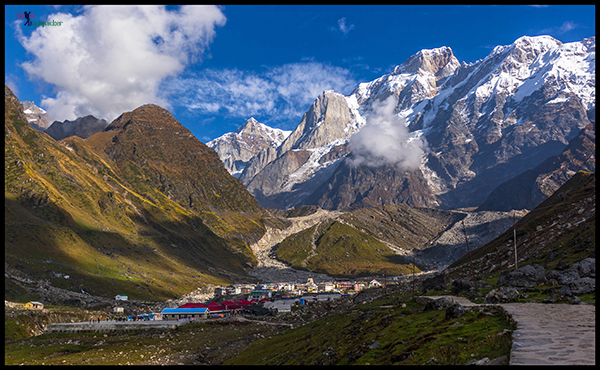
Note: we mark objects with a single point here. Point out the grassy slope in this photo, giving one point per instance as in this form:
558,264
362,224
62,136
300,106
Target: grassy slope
383,332
356,245
69,211
543,236
338,249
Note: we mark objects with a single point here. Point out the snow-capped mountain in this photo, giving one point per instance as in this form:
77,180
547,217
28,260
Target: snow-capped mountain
236,148
36,116
434,131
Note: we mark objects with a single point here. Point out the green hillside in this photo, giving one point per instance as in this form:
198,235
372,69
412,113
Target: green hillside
100,217
561,228
338,249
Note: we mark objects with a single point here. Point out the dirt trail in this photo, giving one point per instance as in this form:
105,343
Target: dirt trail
549,334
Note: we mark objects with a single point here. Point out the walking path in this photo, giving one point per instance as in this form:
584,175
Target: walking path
549,334
553,334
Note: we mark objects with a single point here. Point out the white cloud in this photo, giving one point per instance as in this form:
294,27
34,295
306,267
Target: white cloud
111,59
11,81
560,30
343,27
385,140
278,93
566,27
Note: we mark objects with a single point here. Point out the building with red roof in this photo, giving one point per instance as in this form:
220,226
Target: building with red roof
193,305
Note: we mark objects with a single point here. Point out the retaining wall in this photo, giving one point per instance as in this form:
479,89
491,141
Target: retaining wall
107,326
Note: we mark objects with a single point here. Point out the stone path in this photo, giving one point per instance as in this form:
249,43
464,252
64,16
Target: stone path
553,334
549,334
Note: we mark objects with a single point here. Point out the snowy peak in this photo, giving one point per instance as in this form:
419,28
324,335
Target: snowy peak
329,119
237,148
36,116
440,62
417,79
483,122
590,44
254,129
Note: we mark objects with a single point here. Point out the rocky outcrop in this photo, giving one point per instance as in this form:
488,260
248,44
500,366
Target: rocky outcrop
327,120
438,304
455,311
527,276
82,127
502,295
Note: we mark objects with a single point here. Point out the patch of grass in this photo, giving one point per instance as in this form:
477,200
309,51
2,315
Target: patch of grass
375,334
188,344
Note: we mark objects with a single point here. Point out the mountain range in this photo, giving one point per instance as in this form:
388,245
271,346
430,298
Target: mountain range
140,206
434,132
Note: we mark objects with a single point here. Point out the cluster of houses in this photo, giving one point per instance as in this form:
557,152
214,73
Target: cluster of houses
266,298
269,290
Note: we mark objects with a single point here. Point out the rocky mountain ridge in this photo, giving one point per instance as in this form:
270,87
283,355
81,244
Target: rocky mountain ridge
82,127
480,124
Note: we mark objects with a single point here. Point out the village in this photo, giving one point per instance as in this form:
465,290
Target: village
234,301
267,298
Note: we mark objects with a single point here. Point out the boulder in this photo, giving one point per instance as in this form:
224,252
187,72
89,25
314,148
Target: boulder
462,285
578,287
502,360
483,361
437,282
438,304
455,311
563,276
527,276
502,295
585,268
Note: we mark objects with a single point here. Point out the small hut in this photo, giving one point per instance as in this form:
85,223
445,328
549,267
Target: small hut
34,304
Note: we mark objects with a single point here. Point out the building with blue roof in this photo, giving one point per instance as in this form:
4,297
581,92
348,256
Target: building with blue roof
185,313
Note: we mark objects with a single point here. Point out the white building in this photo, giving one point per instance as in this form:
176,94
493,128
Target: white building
121,297
374,283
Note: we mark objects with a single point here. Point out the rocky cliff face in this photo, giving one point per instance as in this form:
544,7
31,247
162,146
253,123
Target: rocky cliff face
531,187
82,127
480,125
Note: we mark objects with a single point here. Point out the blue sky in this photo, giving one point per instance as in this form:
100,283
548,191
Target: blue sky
214,67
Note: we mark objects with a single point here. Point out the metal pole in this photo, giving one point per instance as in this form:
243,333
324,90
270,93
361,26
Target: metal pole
469,253
515,237
413,273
